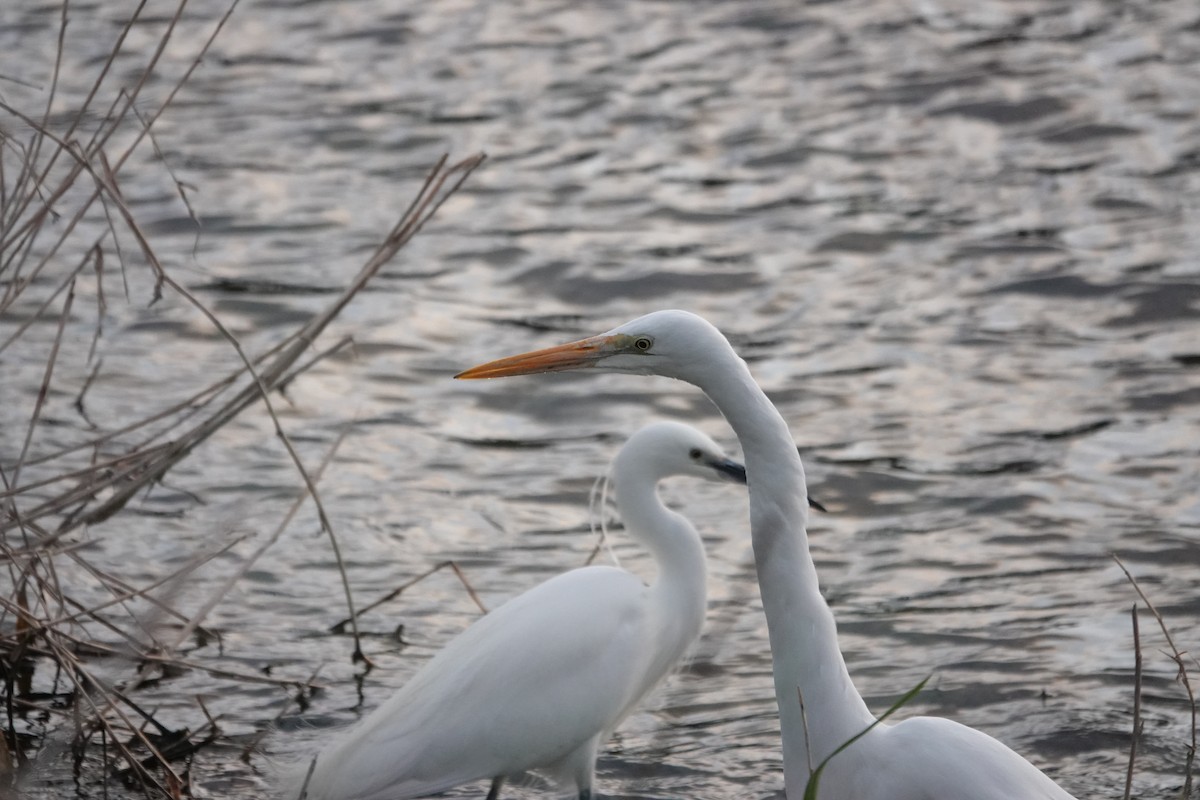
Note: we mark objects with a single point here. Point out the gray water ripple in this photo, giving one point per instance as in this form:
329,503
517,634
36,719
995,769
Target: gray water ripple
955,241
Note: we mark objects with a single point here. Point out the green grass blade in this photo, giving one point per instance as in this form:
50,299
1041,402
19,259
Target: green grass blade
814,780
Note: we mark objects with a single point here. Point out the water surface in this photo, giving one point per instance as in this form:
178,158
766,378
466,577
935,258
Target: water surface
956,242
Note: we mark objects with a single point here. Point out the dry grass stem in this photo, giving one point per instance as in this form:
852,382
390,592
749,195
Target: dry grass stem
250,560
1181,675
340,627
68,623
1136,735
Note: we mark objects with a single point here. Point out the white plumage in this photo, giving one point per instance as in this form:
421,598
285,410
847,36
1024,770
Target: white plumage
540,682
918,759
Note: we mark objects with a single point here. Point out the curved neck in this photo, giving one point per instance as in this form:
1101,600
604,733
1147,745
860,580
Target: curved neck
679,591
807,663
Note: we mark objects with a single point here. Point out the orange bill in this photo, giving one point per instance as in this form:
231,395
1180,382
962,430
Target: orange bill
573,355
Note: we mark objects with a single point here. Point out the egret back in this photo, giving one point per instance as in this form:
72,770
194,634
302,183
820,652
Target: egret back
932,757
491,702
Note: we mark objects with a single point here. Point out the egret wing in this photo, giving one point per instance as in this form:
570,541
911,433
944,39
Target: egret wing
523,687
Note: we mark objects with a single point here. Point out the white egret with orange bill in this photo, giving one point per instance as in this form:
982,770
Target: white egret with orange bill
921,758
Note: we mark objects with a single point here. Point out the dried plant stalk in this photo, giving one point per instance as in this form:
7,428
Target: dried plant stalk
55,621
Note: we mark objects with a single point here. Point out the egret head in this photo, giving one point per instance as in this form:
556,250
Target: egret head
663,449
675,344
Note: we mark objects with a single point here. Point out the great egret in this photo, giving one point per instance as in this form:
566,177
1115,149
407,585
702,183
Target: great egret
540,682
922,758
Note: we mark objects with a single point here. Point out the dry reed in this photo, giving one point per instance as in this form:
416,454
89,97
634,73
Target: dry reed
61,175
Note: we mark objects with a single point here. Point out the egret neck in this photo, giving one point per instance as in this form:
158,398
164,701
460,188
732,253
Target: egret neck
808,666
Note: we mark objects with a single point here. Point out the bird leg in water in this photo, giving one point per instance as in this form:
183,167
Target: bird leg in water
494,792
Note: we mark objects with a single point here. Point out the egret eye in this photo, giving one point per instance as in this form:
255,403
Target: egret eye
694,454
643,343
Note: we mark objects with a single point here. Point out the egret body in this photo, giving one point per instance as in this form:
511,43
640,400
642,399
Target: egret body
922,758
540,682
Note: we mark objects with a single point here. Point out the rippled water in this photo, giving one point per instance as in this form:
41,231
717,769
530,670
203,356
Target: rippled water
956,241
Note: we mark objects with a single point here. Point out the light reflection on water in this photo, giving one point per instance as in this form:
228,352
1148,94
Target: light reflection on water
955,241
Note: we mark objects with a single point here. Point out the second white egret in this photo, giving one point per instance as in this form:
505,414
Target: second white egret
540,682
